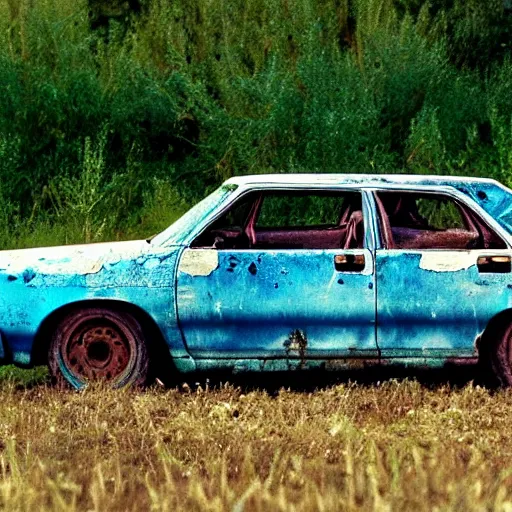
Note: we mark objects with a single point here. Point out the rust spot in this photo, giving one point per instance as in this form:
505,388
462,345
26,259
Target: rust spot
98,350
350,363
297,342
461,361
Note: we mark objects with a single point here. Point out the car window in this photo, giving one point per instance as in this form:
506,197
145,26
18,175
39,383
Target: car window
432,221
236,217
228,231
289,220
294,211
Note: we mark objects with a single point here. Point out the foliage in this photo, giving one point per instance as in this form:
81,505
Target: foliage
152,94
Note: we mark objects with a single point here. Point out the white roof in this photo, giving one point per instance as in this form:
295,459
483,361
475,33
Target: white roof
361,179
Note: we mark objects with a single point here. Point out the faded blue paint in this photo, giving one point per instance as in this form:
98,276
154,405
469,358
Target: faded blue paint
255,303
28,296
286,364
494,198
272,310
434,313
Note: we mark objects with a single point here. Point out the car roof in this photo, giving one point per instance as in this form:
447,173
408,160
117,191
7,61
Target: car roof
365,180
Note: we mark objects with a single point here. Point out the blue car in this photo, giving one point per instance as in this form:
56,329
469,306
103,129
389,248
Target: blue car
277,272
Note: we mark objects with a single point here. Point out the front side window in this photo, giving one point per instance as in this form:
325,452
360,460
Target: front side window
288,220
411,220
286,210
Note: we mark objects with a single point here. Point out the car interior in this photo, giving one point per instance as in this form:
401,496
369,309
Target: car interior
289,220
411,220
334,220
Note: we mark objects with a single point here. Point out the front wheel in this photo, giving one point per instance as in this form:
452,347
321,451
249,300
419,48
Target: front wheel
95,344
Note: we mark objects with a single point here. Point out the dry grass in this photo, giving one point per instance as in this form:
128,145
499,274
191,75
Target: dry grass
395,445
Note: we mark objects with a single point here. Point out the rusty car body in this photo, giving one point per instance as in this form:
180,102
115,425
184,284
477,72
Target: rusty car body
277,272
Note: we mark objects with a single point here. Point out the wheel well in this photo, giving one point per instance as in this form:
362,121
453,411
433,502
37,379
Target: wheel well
157,347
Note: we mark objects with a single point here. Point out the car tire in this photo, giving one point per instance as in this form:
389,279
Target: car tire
495,351
95,344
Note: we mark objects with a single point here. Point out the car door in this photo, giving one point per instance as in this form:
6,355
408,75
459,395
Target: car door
281,274
442,273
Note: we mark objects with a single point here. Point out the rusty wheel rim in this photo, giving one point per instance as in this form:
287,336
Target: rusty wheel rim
98,350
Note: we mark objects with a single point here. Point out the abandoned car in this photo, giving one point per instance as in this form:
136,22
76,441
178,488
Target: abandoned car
277,272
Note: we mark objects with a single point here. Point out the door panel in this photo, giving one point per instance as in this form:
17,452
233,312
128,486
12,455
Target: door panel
277,303
436,302
444,275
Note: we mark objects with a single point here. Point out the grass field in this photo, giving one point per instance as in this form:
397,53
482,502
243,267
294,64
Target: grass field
379,445
113,132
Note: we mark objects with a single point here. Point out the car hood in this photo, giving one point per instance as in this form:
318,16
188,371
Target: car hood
75,259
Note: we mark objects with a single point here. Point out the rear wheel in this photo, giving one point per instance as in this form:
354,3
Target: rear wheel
496,353
94,344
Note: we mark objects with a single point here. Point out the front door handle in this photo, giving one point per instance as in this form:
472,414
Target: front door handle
498,264
349,262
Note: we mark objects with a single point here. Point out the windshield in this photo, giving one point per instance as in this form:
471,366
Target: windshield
177,232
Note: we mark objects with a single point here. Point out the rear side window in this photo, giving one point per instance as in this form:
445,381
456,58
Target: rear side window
432,221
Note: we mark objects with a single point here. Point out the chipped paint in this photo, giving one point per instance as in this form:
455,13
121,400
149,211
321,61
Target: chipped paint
199,262
413,307
238,311
447,261
426,313
71,260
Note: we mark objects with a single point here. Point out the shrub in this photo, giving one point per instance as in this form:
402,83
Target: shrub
186,94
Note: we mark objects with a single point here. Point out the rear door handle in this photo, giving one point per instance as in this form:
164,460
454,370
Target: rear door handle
349,262
498,264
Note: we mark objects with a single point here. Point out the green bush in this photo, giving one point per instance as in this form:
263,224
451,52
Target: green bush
158,104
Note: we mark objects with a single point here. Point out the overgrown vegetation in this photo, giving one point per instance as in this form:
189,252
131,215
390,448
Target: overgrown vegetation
115,116
384,446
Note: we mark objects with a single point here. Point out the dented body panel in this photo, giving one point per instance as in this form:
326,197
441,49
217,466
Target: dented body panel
261,304
276,309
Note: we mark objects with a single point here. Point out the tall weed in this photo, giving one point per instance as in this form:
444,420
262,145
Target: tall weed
195,92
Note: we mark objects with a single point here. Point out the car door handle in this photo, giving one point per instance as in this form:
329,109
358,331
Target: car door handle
494,264
349,262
